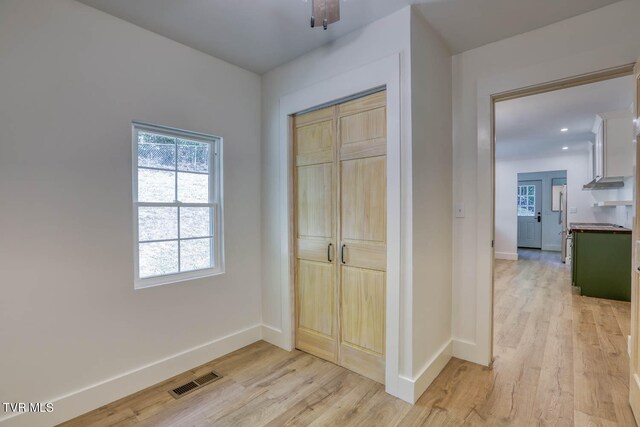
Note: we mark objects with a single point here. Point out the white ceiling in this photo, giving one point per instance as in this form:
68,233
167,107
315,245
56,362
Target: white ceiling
260,35
467,24
530,126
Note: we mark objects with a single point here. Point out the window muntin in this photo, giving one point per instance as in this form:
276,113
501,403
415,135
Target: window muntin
177,205
526,200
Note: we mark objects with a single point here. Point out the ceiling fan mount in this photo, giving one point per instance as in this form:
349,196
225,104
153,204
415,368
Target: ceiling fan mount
325,12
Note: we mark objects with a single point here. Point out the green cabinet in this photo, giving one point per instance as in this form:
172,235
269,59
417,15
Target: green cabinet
601,264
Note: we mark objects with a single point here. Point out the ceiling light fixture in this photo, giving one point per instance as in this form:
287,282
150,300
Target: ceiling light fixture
564,130
565,148
325,12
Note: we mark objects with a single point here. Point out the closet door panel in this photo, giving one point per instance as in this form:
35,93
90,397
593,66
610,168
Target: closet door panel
367,126
315,232
363,227
316,201
364,201
362,301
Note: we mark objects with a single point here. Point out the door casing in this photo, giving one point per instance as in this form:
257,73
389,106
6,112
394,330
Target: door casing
381,73
634,344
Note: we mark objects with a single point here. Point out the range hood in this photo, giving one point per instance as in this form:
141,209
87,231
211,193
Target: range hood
605,183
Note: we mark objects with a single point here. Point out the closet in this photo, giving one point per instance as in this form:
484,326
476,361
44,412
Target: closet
340,233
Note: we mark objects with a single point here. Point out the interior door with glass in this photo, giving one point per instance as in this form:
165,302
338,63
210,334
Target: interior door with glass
530,214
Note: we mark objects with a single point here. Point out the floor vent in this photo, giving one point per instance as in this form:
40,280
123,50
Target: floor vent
194,385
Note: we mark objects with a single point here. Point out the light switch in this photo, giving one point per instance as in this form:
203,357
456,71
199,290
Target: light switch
573,210
460,210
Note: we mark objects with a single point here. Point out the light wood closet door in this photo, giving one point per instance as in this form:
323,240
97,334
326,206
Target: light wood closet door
315,232
634,384
362,157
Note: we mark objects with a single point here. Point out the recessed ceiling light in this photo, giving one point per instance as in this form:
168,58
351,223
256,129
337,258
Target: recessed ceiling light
564,130
565,148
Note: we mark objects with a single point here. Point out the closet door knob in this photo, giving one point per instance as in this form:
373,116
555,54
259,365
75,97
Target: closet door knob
329,252
342,253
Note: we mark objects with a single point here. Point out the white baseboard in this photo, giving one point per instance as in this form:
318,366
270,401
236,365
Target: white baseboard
274,336
506,255
467,350
94,396
410,389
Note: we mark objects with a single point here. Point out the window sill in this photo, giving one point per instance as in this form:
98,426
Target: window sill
152,282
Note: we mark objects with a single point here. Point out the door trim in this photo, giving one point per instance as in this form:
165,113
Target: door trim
382,73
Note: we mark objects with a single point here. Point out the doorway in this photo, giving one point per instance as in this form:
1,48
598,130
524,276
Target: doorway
533,302
547,144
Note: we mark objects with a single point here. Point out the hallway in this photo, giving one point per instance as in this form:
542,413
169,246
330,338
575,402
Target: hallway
557,355
560,359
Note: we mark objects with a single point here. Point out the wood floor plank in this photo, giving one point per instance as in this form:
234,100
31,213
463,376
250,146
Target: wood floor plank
560,360
306,411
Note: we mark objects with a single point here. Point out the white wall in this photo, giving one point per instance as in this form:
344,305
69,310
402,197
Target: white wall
73,79
381,39
432,199
561,50
579,173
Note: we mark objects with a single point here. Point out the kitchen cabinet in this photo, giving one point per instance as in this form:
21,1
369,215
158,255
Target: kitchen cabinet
601,260
613,146
598,149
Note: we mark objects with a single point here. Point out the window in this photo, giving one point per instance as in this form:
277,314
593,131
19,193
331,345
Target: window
177,201
526,200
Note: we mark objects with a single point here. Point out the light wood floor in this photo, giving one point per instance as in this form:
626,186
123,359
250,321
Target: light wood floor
560,359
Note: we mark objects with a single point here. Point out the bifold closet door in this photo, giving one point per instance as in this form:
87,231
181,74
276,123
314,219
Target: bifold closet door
315,233
362,149
340,230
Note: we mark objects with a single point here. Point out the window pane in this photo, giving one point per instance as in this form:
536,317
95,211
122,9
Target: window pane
193,156
193,187
158,258
156,186
195,222
157,223
195,254
156,151
532,190
532,200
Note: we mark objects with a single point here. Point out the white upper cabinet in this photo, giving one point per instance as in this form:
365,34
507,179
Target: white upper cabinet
613,146
598,149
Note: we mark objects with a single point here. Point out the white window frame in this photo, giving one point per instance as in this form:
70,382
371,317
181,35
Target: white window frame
215,202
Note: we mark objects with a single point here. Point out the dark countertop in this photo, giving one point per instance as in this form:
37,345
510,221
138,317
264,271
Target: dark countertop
582,227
